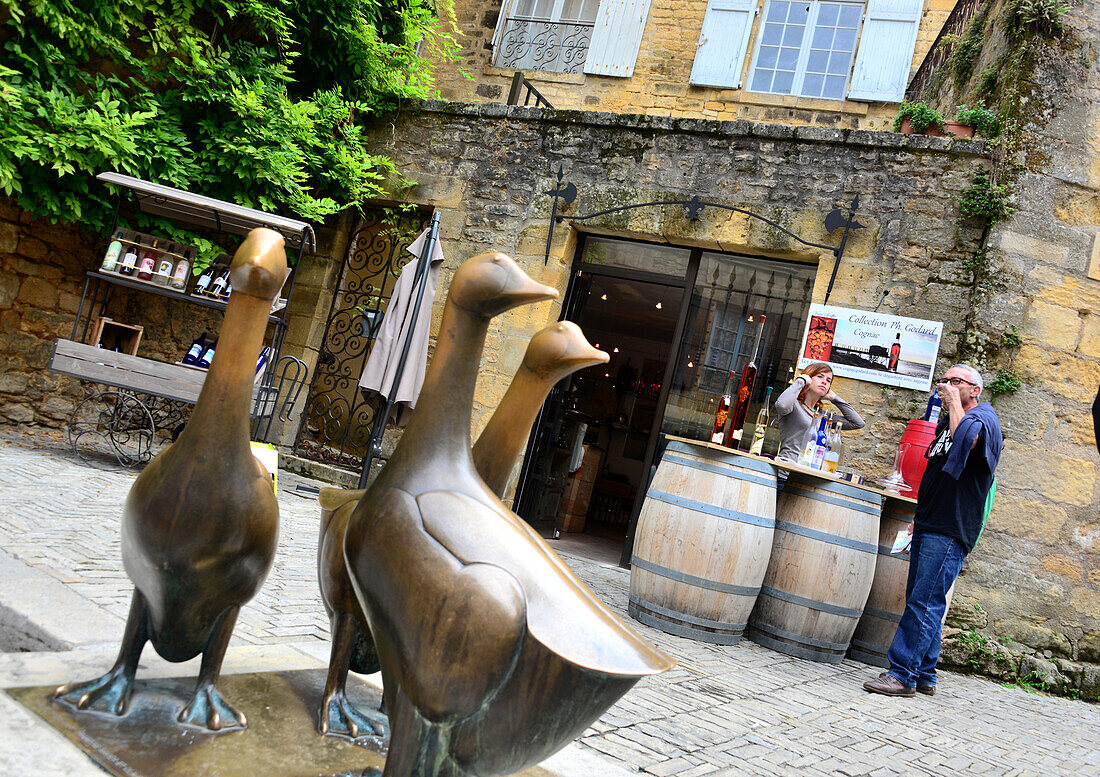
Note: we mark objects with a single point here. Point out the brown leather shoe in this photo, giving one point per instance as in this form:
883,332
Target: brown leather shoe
927,690
888,685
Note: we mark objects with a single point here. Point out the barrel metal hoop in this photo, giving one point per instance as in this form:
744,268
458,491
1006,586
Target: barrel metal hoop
718,512
732,628
729,458
718,469
860,507
813,604
885,615
698,582
832,539
681,629
887,550
842,489
797,651
870,647
801,639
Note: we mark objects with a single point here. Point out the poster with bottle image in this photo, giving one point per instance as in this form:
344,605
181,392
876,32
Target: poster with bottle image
876,347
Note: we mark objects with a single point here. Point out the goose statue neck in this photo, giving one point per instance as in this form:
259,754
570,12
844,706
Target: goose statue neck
257,274
439,432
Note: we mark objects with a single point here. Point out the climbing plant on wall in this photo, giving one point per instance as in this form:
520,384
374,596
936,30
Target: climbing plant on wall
260,102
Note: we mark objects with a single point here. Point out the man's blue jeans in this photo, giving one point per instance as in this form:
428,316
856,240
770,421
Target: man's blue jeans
934,563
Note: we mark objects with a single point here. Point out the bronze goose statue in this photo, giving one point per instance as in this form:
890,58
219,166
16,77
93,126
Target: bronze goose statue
493,654
553,353
200,523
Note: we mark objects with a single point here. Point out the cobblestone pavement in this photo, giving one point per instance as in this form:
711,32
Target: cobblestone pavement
740,710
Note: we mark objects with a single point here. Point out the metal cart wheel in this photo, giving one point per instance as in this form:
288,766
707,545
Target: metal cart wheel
112,423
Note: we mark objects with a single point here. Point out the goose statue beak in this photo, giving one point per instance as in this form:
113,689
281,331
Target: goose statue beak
577,352
259,265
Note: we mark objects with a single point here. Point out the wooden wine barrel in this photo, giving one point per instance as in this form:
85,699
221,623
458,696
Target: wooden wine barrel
886,602
821,567
702,543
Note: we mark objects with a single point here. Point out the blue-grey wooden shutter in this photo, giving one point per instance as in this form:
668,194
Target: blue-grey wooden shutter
886,47
723,43
616,37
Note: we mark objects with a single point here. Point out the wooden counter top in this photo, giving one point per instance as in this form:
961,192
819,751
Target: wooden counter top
790,467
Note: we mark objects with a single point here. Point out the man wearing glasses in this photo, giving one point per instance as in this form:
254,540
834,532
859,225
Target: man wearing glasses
949,515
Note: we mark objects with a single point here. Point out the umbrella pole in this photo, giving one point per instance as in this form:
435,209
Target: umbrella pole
381,421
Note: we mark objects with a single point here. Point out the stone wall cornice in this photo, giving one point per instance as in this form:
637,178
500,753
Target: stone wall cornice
731,129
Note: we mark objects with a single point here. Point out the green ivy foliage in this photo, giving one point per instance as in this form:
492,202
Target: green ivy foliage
259,102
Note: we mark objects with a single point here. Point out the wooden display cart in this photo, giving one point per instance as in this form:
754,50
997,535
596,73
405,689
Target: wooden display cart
130,397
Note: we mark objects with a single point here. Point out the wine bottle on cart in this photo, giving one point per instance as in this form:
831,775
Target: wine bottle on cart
110,260
217,288
129,261
148,264
179,274
736,422
196,349
207,356
202,285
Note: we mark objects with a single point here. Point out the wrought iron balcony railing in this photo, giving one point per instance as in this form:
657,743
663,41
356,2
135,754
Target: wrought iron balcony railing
538,44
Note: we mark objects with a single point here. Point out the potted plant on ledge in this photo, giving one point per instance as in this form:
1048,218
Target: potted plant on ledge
918,117
977,120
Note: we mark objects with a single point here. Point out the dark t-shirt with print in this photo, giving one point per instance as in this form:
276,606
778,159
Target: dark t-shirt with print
953,507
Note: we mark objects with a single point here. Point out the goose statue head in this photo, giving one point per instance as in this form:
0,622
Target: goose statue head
559,350
259,265
490,284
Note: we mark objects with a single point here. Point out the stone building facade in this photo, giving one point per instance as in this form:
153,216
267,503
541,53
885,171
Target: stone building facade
504,36
1035,577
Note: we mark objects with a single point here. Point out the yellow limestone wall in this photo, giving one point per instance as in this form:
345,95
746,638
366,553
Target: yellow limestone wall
659,86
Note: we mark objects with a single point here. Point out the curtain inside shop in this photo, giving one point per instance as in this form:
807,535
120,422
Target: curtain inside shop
730,295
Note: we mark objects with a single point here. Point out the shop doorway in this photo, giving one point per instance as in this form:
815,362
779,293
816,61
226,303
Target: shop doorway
588,461
675,321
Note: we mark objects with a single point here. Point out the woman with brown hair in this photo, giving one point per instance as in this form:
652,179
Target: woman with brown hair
797,404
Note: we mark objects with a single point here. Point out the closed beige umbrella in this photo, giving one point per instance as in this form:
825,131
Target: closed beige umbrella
380,372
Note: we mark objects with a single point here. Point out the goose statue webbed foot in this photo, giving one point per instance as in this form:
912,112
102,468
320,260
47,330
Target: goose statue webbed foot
208,708
340,718
110,693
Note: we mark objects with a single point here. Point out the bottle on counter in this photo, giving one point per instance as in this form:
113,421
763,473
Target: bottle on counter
179,273
110,259
207,356
744,392
129,261
806,456
895,353
148,263
832,456
821,445
718,433
763,418
196,349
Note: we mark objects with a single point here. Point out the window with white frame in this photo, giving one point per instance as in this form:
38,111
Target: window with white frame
600,37
546,34
806,48
831,49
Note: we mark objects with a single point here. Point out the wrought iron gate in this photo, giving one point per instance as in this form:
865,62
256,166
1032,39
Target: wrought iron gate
337,421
